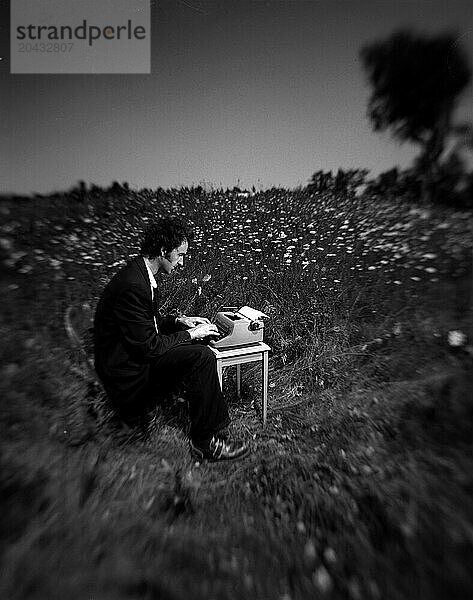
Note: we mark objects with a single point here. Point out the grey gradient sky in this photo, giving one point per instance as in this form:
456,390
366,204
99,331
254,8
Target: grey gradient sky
257,93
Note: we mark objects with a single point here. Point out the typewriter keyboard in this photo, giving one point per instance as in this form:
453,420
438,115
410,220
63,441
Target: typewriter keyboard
222,331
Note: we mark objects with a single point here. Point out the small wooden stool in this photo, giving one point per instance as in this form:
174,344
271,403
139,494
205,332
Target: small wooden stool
226,357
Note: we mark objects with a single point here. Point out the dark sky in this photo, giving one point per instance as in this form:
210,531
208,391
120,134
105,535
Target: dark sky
260,92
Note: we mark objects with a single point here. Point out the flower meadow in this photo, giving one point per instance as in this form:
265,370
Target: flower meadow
253,235
356,488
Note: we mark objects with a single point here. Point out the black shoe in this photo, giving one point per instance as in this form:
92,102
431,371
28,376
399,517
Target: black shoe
219,449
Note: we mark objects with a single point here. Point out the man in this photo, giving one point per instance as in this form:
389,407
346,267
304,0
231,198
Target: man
139,354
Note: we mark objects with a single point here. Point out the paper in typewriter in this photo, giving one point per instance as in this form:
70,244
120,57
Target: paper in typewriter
251,313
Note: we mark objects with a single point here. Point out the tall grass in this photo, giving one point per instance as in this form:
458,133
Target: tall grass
358,486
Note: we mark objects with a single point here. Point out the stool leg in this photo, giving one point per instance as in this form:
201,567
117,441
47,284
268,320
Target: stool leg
220,373
238,379
265,386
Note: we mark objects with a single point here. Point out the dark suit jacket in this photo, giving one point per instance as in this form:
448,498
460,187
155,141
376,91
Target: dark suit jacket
125,338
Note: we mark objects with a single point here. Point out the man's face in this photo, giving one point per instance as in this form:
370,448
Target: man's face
174,258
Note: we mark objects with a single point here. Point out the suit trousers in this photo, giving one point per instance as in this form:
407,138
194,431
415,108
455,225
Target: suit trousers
194,365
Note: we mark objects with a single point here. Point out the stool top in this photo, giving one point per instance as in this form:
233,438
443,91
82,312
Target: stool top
240,350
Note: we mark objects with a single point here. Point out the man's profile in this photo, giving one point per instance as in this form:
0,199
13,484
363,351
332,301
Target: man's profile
139,354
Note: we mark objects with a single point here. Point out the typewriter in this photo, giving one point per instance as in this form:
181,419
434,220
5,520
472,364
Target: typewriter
238,327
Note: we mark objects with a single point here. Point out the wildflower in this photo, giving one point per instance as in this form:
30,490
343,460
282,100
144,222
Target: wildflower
456,338
310,553
354,589
16,256
6,243
25,269
300,527
322,579
330,555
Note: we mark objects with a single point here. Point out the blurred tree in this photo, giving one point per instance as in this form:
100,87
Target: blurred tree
344,182
79,191
395,184
386,184
321,181
467,192
115,188
450,183
416,83
347,182
96,191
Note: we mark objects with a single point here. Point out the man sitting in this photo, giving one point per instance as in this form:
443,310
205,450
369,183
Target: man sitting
138,353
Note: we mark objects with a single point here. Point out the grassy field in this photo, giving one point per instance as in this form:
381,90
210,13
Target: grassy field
359,486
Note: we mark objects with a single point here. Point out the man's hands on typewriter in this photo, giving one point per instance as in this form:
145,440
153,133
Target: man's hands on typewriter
198,327
192,321
203,331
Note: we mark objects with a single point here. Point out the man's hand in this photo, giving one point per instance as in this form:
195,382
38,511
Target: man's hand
203,330
192,321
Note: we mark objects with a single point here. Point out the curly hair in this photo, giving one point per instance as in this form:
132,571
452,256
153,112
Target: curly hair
167,233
